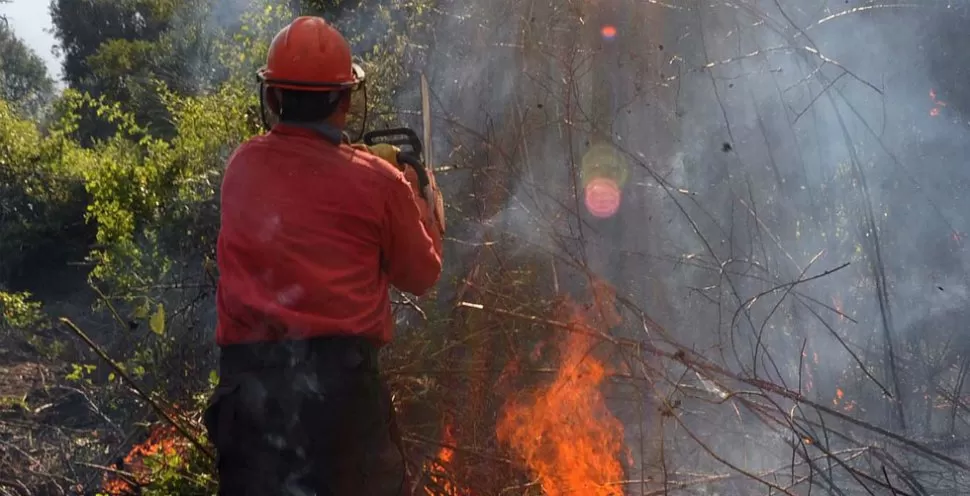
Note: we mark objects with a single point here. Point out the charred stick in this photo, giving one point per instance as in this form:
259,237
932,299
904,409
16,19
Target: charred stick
134,385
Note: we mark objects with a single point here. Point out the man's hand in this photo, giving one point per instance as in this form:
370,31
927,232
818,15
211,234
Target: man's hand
388,153
410,167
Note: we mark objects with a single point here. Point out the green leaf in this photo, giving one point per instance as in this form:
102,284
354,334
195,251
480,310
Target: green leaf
157,322
75,374
141,311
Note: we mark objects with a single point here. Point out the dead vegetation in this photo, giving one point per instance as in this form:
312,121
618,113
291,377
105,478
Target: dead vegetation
691,344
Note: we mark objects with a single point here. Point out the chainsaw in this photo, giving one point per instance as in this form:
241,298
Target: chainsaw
414,154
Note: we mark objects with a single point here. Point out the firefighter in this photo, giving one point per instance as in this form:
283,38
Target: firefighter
313,230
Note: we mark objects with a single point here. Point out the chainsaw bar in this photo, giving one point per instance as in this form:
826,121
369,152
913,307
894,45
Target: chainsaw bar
433,192
414,154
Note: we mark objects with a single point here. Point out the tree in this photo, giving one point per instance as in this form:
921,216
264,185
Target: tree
42,199
23,76
126,50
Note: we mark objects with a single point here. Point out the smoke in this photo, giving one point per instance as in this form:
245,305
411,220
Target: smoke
763,142
826,157
754,144
797,142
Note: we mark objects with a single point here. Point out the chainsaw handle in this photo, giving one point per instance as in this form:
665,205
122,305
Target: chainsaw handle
398,136
410,159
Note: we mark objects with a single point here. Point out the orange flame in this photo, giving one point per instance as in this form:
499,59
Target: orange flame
847,405
164,440
438,468
564,431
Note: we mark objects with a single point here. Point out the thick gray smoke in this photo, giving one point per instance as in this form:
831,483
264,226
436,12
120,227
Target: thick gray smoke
755,144
829,116
764,142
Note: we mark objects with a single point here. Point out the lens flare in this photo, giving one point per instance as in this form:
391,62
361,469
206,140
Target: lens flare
608,32
604,161
603,197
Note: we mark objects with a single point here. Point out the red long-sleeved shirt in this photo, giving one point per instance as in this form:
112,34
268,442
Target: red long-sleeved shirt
311,236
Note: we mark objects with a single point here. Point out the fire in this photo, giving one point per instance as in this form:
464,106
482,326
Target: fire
163,441
438,468
848,405
563,431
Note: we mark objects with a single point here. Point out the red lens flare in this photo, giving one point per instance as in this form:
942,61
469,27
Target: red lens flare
602,197
608,32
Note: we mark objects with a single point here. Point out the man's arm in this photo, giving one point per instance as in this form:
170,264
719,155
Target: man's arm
412,244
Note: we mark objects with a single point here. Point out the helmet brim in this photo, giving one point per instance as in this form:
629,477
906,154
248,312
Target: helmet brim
356,70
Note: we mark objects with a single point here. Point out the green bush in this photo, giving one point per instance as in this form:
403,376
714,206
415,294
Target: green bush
141,203
42,197
19,312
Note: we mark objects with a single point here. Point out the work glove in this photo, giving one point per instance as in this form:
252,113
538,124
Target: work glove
416,175
386,152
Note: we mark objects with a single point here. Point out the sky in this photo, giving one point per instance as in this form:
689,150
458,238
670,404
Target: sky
31,21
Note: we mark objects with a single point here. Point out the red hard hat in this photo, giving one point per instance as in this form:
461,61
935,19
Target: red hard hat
310,55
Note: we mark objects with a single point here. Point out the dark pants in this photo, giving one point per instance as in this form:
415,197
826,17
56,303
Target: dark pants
305,418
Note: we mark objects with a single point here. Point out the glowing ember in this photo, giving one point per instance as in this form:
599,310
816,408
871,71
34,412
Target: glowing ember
602,197
935,111
847,405
608,32
837,302
564,432
438,468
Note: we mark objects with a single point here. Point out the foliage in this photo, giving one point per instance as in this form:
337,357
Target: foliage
164,464
123,50
153,193
18,311
42,198
23,76
127,170
23,322
149,193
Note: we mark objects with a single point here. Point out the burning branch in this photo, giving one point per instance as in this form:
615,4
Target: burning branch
563,431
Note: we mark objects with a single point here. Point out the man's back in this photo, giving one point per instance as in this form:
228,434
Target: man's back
313,232
311,236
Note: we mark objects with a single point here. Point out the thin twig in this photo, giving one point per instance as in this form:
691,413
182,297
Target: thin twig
134,385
